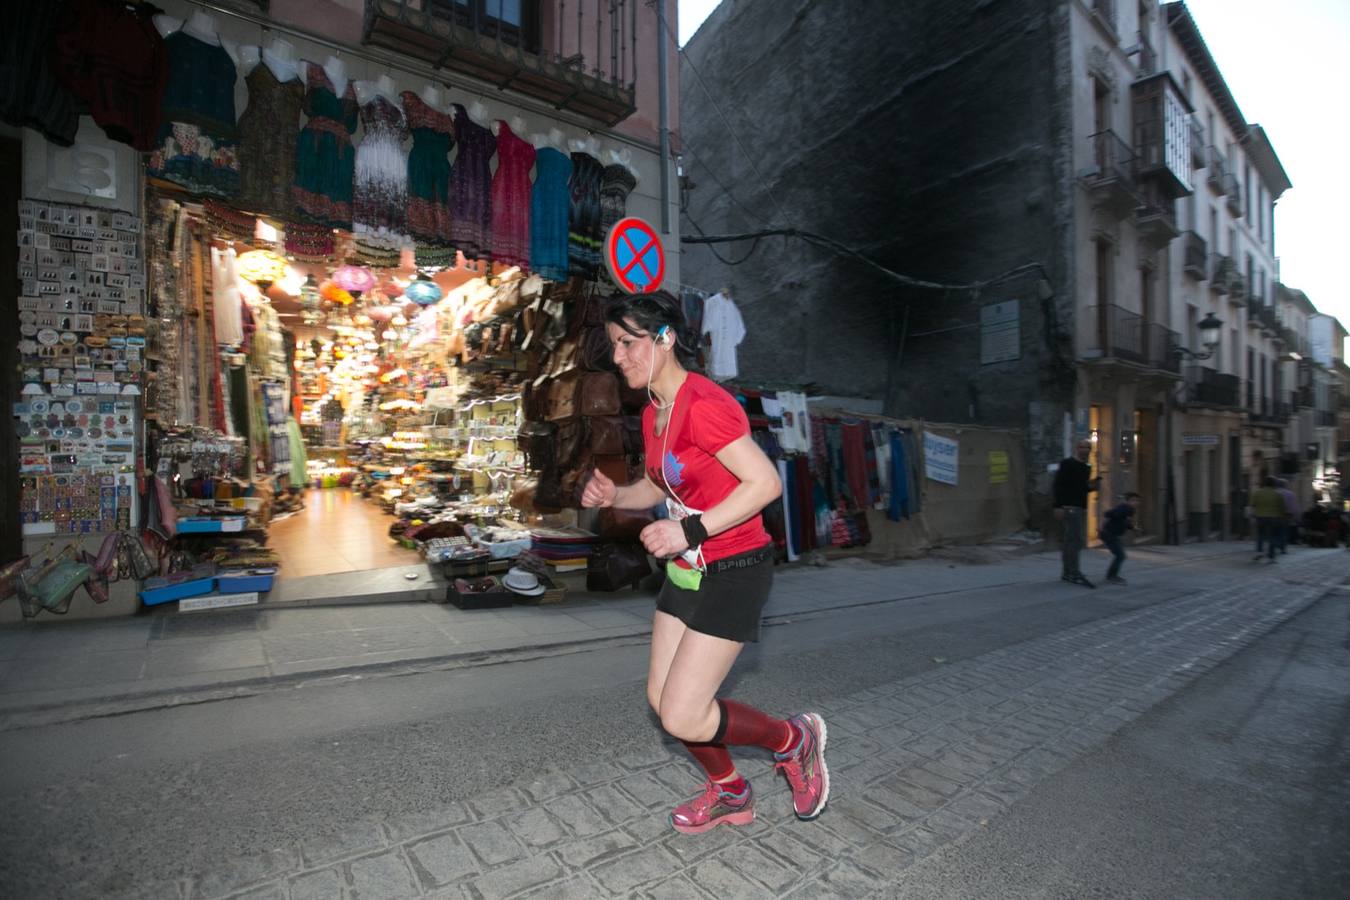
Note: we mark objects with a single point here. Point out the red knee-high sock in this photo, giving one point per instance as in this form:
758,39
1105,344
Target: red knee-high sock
746,726
714,759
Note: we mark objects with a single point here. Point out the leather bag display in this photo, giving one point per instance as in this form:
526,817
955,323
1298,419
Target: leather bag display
614,566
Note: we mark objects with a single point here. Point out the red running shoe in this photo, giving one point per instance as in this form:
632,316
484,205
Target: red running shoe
805,768
712,808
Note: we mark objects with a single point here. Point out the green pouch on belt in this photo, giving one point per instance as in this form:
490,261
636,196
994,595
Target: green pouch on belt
688,579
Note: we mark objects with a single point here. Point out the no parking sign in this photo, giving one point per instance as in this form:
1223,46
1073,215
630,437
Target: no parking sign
634,255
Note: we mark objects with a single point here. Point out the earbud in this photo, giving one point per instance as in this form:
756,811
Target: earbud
664,336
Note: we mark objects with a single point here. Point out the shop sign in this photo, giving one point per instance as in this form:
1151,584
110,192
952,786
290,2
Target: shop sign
939,457
1199,440
998,467
634,256
1000,333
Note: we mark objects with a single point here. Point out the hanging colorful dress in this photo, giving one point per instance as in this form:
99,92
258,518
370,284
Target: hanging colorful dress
583,244
267,131
511,199
380,201
325,163
471,187
433,134
550,207
197,146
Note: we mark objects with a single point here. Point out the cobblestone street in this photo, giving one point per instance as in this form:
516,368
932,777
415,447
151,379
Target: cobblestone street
918,764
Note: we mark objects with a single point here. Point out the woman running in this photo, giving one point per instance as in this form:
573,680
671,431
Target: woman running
702,463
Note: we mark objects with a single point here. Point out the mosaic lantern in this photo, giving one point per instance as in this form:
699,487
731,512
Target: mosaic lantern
262,267
356,280
423,291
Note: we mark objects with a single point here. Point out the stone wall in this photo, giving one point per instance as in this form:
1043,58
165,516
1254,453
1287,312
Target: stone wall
926,135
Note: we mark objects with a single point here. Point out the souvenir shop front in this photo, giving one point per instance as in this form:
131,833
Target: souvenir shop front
341,322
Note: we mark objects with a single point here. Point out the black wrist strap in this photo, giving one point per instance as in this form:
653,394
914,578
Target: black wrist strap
694,532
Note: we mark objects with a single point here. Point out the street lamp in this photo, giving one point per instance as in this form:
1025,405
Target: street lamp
1210,328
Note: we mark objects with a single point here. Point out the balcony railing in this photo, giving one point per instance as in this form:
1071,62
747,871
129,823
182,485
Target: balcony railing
1304,397
1221,269
1216,169
1326,418
1157,222
1232,191
1268,411
1117,333
1148,57
1264,314
1105,10
1237,285
584,62
1112,177
1206,387
1196,252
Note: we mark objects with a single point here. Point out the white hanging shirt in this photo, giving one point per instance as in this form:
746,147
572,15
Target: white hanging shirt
723,323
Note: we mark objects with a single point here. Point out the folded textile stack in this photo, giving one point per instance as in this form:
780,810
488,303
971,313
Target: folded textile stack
562,545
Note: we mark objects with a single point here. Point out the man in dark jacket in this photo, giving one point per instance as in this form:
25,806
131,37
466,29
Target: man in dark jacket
1117,521
1072,483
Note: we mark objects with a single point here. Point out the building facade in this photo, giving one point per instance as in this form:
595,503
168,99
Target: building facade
1094,140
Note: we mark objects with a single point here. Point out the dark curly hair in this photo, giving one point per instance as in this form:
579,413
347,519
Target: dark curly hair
650,313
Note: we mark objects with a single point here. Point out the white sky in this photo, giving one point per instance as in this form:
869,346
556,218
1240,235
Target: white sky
1286,66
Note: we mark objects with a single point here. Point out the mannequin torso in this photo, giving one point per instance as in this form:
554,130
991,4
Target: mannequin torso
336,70
478,113
200,26
431,96
384,86
552,139
279,56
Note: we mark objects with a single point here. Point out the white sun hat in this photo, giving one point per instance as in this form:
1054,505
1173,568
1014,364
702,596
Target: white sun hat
523,582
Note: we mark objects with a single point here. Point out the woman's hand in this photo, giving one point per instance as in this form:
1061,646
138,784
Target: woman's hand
664,539
600,491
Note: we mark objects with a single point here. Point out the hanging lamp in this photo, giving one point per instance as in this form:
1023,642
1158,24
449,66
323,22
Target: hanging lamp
423,291
356,280
262,267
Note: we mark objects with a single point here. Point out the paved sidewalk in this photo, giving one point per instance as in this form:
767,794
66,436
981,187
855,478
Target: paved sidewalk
917,764
52,670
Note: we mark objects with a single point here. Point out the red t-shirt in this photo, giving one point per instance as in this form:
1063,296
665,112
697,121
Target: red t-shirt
705,419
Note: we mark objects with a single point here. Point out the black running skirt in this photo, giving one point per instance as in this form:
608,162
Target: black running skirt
728,603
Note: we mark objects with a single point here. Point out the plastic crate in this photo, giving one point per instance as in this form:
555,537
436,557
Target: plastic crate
496,598
200,525
243,581
166,589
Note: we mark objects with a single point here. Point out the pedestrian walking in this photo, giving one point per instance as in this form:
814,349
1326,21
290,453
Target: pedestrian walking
1292,514
1269,510
1073,482
1118,520
715,481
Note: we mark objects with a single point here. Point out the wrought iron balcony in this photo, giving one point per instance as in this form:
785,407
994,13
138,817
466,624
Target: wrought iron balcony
1264,314
1111,181
1206,387
1232,192
1117,334
1237,285
1304,397
1105,11
1148,57
1157,223
1221,269
1197,142
585,63
1195,253
1216,169
1326,418
1268,411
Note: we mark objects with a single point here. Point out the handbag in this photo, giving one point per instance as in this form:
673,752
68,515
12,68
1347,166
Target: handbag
563,397
616,565
605,435
599,394
142,566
